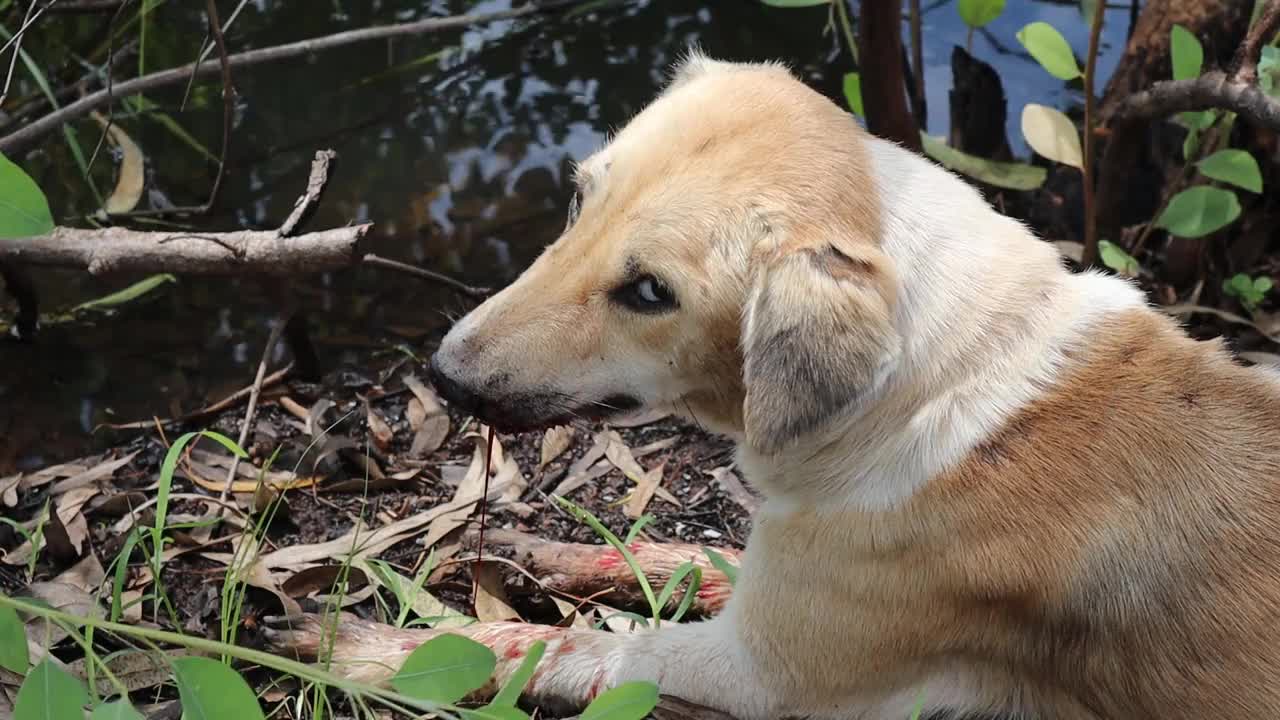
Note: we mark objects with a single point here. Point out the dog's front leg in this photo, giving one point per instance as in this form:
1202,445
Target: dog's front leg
701,663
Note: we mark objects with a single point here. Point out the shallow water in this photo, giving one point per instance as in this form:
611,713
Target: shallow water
458,159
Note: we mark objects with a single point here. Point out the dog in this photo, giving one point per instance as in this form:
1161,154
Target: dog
991,482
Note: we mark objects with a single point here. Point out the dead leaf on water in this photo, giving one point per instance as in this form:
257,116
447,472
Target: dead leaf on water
87,476
128,190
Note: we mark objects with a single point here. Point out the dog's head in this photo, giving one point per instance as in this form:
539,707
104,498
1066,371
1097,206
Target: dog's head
720,261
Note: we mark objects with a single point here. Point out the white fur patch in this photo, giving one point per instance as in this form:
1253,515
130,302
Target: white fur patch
989,316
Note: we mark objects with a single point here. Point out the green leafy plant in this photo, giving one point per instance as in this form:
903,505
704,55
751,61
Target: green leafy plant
1050,49
1250,291
1236,167
13,642
50,693
656,601
1114,257
129,294
1199,211
24,210
853,93
976,14
210,690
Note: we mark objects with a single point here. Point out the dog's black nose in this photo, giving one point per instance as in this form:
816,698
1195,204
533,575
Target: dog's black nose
454,392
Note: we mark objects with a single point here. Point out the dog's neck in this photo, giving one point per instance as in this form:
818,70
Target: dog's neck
988,314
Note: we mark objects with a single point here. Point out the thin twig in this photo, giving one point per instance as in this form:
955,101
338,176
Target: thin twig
256,389
1090,254
111,107
1246,58
389,264
315,187
17,49
228,102
25,136
28,22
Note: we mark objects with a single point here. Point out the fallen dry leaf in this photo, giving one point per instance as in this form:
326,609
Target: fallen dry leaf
735,489
433,420
638,419
321,578
569,615
53,472
9,490
643,492
491,599
554,442
87,575
135,669
86,477
378,428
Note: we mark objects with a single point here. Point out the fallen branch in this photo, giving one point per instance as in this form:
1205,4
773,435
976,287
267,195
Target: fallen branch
583,570
21,139
109,250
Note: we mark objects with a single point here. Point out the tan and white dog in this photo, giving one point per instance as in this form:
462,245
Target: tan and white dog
989,480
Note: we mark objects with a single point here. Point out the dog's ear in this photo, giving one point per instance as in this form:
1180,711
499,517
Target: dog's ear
818,337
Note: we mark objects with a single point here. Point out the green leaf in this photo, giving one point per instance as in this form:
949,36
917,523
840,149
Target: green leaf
1269,71
1186,53
1013,176
795,3
118,710
1114,257
510,692
1052,134
1263,284
628,701
1233,166
977,13
719,563
444,669
210,690
50,693
1050,49
853,93
1198,211
13,642
1190,144
133,292
24,210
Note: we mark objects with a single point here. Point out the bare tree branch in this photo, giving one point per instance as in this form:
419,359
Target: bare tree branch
1209,91
118,249
22,138
1245,61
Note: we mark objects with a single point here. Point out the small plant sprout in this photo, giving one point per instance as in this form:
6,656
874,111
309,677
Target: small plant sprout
1250,291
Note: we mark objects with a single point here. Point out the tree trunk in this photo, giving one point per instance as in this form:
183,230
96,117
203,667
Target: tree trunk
880,53
1140,158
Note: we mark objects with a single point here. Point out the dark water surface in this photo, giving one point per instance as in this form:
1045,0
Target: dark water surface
454,144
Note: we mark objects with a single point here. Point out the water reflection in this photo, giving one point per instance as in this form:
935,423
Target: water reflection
460,158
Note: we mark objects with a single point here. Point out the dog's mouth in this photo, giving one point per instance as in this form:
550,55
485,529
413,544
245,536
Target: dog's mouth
529,411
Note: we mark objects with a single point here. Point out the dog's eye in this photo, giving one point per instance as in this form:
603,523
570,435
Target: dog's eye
645,294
